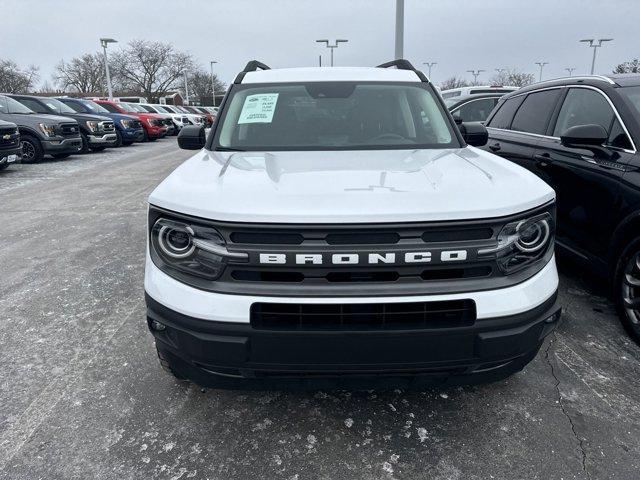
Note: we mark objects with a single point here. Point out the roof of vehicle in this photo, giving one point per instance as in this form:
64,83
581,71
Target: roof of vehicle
612,81
497,88
455,101
330,74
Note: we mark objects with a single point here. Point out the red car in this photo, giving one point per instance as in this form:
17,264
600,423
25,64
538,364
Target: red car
152,123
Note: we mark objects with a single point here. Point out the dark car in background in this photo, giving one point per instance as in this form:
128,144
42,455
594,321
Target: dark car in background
41,135
581,135
128,128
472,108
10,150
96,131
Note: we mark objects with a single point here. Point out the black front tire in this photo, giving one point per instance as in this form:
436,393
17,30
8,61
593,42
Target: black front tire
85,143
118,139
3,165
32,150
60,156
627,289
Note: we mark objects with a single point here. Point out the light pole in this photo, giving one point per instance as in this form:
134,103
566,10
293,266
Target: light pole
332,47
186,88
213,83
570,70
399,47
541,65
429,65
104,42
592,43
475,74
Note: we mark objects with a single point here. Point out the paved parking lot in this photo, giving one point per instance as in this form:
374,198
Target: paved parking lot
82,396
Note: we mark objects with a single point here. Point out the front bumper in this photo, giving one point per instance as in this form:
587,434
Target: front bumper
221,353
132,134
103,140
10,155
67,145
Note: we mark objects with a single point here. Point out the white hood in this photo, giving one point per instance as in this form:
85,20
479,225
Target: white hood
373,186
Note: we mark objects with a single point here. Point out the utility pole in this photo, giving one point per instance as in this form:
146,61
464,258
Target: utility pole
541,65
186,88
399,53
332,47
213,83
570,70
592,43
475,74
429,65
104,42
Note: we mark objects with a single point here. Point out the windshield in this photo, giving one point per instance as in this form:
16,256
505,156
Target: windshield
450,101
9,105
57,106
333,116
127,107
633,95
149,108
94,107
161,109
170,109
137,108
181,109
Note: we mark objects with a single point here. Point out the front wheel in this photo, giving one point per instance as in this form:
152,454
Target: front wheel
627,286
85,143
118,139
32,151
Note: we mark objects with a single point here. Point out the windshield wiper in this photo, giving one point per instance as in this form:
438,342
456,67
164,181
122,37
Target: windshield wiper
229,149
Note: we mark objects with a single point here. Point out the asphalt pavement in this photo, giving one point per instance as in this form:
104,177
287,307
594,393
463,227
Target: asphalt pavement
83,397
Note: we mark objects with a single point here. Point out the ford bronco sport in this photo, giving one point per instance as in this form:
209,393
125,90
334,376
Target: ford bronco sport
336,225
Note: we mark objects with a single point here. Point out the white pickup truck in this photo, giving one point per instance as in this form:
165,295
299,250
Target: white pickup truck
337,226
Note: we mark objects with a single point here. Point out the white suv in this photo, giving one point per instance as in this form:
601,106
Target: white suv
336,224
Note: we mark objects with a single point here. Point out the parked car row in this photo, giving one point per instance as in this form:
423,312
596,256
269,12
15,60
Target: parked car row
34,126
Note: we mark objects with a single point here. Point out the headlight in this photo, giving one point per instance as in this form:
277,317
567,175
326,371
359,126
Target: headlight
126,123
188,250
92,126
47,130
522,242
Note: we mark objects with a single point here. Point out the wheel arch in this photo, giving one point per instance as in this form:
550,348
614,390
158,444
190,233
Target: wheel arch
625,233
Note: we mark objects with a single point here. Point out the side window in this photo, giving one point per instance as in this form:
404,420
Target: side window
77,106
476,110
504,115
617,137
533,115
583,106
33,105
110,107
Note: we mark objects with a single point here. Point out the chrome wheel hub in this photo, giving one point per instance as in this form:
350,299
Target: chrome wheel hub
28,150
631,289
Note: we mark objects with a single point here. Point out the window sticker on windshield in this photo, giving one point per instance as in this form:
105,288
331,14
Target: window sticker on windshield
258,108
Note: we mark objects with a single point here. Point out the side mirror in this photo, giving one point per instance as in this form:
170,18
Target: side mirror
584,136
192,137
474,133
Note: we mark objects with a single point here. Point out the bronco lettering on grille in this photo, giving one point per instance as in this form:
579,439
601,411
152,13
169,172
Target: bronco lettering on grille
357,258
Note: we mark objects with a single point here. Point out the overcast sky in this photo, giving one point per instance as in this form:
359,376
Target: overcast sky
459,35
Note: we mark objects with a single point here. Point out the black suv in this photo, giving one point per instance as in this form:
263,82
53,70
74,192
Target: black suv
97,132
580,134
10,149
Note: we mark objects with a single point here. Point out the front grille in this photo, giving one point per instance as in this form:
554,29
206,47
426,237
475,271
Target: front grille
8,137
369,316
136,124
69,129
107,127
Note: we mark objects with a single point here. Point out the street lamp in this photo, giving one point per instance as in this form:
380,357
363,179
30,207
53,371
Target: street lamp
475,74
104,42
541,65
399,45
186,88
213,83
429,65
332,47
592,43
570,70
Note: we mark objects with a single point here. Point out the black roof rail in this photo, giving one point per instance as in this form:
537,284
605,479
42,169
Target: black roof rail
402,64
251,66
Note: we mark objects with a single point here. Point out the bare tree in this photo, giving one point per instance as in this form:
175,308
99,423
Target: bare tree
149,67
454,82
632,66
200,86
84,74
513,78
13,79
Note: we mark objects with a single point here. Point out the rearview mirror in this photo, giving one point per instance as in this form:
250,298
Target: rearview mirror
474,133
584,136
192,137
